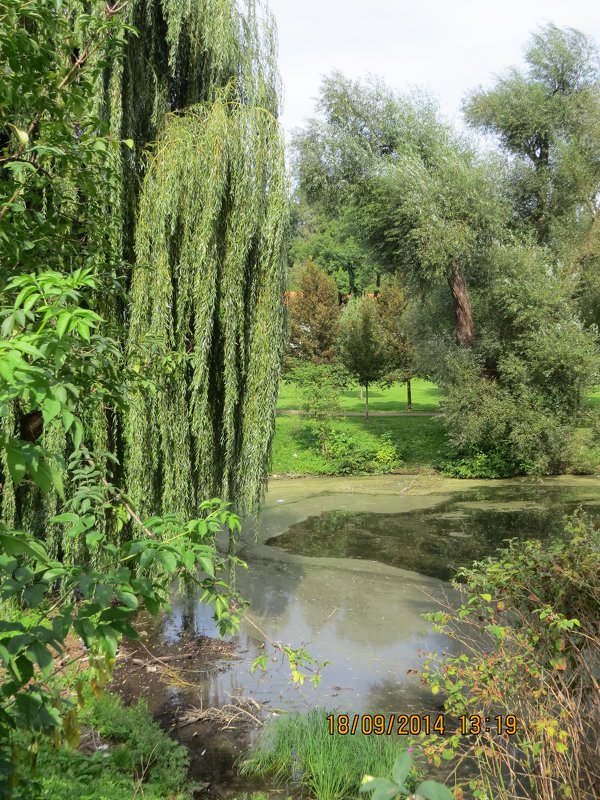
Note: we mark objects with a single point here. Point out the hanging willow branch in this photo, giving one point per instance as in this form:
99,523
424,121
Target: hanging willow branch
195,232
207,290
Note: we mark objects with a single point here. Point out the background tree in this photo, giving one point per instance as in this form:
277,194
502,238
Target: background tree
331,240
432,216
361,343
421,201
314,315
435,212
392,306
516,398
548,119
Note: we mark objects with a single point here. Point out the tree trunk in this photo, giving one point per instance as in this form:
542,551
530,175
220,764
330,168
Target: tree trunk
463,330
351,285
377,284
408,396
366,401
361,393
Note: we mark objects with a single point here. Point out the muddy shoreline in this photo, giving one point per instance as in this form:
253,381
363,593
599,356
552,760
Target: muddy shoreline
170,677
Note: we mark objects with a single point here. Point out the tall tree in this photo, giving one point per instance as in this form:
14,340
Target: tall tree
361,343
209,275
199,214
419,197
433,216
314,315
548,118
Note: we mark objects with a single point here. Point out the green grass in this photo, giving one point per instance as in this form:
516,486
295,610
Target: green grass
419,440
299,749
140,761
425,397
592,400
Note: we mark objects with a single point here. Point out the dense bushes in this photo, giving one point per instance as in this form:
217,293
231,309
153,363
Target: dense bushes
529,645
129,754
349,455
514,401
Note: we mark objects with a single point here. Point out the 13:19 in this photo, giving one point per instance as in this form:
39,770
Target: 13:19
502,725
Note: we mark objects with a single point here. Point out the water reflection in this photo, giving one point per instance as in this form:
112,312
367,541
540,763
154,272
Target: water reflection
351,583
367,624
436,542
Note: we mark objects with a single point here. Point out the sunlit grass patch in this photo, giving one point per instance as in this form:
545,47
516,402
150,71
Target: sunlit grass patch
299,749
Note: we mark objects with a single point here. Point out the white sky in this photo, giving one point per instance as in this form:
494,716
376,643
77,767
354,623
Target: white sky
446,46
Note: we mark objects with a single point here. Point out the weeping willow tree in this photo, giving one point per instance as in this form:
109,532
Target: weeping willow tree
207,291
186,226
205,234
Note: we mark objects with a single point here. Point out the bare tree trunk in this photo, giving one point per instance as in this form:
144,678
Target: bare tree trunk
463,330
408,396
361,393
366,401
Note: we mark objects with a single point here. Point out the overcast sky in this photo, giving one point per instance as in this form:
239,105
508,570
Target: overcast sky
446,46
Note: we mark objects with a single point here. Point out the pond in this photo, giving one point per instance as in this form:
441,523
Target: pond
346,568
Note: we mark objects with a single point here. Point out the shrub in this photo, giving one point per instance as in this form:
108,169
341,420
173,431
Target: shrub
529,646
136,758
349,455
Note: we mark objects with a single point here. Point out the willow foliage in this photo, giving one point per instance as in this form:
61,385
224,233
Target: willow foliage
200,83
207,293
181,208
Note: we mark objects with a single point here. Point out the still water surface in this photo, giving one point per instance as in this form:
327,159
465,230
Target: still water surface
347,567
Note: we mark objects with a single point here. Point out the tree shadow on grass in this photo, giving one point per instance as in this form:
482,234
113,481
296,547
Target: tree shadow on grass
305,437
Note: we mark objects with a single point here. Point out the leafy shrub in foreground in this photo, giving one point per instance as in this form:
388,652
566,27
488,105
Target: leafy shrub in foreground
529,645
136,756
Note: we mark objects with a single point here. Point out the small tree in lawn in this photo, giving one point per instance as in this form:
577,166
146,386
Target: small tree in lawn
314,315
362,343
392,306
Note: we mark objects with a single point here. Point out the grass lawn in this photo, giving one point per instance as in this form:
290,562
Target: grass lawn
592,400
419,440
425,397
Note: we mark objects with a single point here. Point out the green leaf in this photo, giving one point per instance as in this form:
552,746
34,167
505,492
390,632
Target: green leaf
401,768
21,134
77,433
42,475
50,409
33,595
71,518
68,419
40,654
167,559
62,323
92,538
207,565
432,790
20,544
83,331
128,599
16,462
